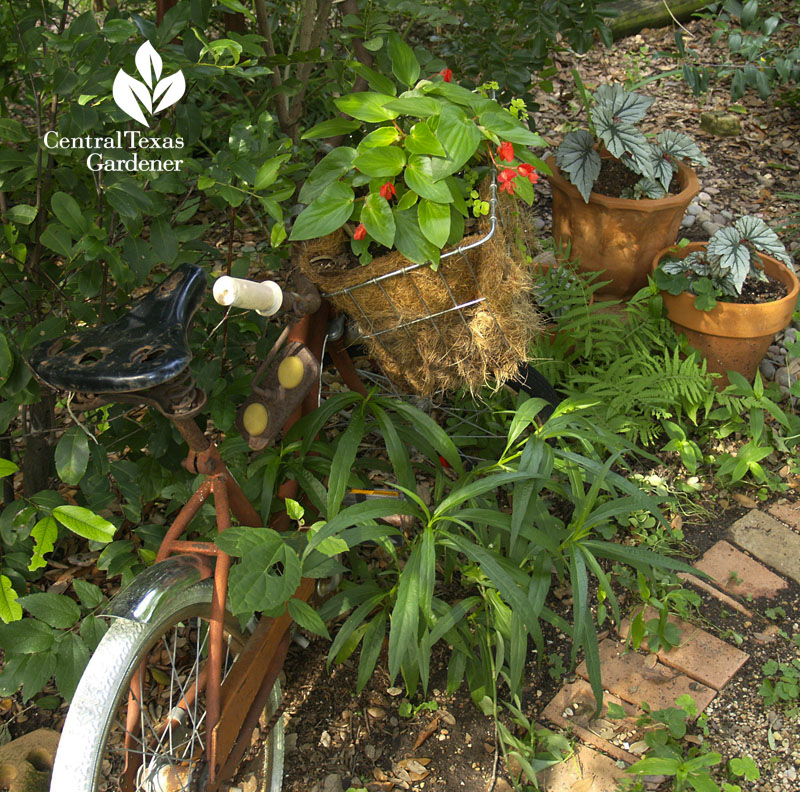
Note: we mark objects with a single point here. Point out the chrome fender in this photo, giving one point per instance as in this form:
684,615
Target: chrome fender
146,596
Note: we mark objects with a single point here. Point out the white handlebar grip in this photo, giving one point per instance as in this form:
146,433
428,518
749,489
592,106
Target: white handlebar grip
264,298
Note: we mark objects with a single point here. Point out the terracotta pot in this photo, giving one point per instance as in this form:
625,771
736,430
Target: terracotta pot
618,235
732,337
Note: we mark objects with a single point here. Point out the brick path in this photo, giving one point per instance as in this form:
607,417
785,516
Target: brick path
701,666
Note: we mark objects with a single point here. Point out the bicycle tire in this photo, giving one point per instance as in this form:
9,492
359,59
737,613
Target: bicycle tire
87,759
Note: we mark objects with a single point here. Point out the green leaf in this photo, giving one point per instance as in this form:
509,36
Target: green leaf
577,158
654,765
57,610
331,128
164,241
460,138
325,214
434,221
381,163
268,172
377,217
85,523
623,139
44,533
89,594
404,63
307,618
22,214
57,238
343,459
36,670
507,127
72,455
371,646
421,140
10,609
26,636
67,210
414,104
7,467
626,106
12,131
366,106
328,170
73,655
419,177
410,241
405,614
383,136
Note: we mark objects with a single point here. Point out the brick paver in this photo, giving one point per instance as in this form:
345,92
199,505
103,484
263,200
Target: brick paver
625,674
770,541
715,592
786,512
597,772
737,573
699,655
573,708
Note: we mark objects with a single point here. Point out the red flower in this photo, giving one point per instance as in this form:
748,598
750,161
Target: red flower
506,151
506,179
360,232
447,74
529,172
387,191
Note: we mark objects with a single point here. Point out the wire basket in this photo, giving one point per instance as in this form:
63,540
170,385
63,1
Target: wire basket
468,323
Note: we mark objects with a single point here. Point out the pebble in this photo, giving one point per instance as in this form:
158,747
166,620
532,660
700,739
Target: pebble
694,209
710,227
720,220
688,221
704,197
712,190
704,215
790,336
767,369
332,783
726,214
539,223
782,376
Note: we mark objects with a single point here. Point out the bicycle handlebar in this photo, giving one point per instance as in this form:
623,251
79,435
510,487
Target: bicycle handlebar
265,298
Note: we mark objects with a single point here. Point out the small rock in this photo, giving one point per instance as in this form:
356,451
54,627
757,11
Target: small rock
727,214
325,739
720,219
767,369
539,223
704,216
790,336
710,227
782,376
332,783
371,752
694,209
688,221
704,197
718,122
376,713
774,348
712,190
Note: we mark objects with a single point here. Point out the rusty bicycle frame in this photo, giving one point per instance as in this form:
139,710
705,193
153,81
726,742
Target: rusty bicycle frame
234,706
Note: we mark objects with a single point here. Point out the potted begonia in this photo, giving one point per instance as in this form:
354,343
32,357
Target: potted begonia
729,295
619,197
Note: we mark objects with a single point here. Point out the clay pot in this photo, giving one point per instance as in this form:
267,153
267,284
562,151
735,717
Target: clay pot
732,337
618,235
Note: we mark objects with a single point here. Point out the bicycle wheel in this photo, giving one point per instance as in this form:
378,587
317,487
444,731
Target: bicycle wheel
168,742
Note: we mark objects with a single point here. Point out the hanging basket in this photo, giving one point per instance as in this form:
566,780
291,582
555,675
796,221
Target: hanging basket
469,323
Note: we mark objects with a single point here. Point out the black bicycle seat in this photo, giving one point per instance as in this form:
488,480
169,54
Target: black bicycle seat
148,346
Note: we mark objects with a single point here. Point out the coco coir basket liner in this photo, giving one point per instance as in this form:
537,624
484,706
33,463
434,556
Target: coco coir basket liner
470,323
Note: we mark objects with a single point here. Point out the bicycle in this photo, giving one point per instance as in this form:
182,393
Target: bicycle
189,684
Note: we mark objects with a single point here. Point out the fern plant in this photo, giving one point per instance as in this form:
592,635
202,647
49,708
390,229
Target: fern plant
719,271
614,115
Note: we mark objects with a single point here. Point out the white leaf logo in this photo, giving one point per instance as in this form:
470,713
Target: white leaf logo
127,90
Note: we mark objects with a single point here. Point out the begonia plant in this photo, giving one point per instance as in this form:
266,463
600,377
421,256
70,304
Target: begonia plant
406,176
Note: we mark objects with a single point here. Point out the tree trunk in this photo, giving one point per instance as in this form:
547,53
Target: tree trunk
38,459
636,15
